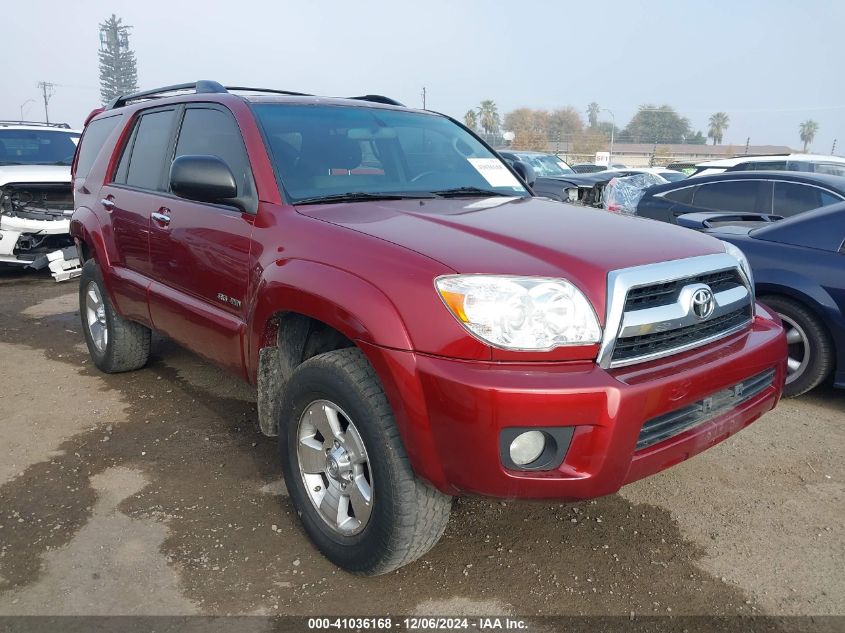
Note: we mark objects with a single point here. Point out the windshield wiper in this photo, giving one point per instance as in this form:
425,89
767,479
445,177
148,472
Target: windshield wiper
357,196
468,191
8,162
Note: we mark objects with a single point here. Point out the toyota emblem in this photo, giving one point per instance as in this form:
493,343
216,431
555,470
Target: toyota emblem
703,303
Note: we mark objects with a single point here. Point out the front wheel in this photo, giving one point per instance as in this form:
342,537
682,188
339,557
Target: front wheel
810,350
115,344
346,468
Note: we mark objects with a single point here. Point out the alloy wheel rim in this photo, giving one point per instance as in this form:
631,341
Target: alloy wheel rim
798,346
95,317
334,467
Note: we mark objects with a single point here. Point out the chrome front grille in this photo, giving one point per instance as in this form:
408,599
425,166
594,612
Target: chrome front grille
649,344
675,422
665,293
667,308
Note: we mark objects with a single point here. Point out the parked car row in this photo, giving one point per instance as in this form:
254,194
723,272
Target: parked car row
799,264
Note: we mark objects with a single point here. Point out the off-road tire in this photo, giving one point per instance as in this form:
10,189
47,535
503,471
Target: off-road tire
408,515
128,345
818,340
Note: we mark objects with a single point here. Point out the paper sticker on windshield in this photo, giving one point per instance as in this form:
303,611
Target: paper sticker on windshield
495,173
562,165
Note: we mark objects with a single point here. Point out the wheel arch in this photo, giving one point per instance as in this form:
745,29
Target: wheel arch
305,308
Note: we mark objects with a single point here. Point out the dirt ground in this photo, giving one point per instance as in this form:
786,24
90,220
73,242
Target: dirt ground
152,493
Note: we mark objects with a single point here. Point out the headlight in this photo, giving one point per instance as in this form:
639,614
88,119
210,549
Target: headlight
520,313
738,255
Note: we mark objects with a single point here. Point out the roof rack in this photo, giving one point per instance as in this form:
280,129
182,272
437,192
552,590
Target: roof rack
378,99
213,87
199,87
63,126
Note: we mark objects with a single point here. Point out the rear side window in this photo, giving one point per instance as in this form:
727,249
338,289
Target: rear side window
791,198
834,169
773,165
737,195
92,142
682,196
147,152
211,132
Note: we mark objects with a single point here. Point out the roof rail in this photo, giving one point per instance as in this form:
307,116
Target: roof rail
212,87
378,99
63,126
199,87
268,90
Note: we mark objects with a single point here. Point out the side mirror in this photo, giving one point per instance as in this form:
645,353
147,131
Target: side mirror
525,171
202,178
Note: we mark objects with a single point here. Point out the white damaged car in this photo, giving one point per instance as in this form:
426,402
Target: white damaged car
36,197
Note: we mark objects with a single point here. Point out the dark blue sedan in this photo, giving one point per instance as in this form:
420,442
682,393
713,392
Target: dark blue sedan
799,271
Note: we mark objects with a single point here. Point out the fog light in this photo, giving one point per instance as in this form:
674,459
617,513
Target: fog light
527,447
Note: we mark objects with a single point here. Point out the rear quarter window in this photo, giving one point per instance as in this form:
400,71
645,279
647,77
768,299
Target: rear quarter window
834,169
92,142
681,196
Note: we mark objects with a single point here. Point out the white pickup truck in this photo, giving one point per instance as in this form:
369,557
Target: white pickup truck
36,197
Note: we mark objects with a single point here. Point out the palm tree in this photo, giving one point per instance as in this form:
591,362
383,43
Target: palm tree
719,122
488,115
593,113
808,131
471,120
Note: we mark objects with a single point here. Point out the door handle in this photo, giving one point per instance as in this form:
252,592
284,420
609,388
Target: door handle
161,216
108,203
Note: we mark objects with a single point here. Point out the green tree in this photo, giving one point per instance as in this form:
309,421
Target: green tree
471,120
488,116
719,122
593,113
118,68
697,139
653,124
808,130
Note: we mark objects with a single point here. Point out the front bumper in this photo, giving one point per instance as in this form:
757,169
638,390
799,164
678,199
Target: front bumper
452,413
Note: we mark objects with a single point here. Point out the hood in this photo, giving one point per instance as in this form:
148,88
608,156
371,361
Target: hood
34,173
520,236
586,180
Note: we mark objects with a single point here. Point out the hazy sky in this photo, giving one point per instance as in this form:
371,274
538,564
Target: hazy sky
769,64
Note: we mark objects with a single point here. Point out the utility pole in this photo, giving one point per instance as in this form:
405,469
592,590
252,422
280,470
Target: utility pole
47,91
747,144
612,130
833,149
423,97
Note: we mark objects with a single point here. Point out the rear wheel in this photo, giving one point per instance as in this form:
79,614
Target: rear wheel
346,468
810,350
115,344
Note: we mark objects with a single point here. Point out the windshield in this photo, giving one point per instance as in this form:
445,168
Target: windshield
545,164
37,147
332,152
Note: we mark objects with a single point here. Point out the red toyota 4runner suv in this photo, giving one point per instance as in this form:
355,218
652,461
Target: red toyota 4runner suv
417,323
